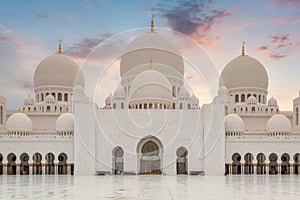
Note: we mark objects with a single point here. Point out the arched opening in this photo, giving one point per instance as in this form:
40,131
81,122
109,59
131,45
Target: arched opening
1,114
248,168
145,106
65,97
174,91
122,105
48,108
59,96
141,106
180,106
236,163
296,163
253,109
150,153
37,164
273,168
11,165
261,168
114,106
49,168
243,98
150,106
62,163
285,165
42,96
189,106
297,116
118,160
248,95
24,167
236,98
259,98
1,164
182,162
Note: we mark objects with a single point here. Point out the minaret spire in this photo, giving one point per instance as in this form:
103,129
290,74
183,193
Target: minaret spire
152,23
243,49
59,47
150,64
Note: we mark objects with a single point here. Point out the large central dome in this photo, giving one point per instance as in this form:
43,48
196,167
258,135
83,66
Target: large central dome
244,72
58,70
155,46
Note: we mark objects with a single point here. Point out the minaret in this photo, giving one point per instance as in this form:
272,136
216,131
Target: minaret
152,23
243,49
59,51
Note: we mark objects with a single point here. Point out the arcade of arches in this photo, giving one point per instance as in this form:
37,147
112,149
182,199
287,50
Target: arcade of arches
275,164
37,167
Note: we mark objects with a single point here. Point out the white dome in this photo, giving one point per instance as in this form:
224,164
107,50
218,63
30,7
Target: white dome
19,122
279,123
65,122
272,102
119,92
234,123
58,70
184,93
150,84
252,100
28,100
194,99
50,99
108,99
244,72
165,55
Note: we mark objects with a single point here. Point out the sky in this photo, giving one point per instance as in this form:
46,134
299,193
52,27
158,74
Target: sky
30,31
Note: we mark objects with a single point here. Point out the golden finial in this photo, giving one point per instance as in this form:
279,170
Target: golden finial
59,47
67,109
278,111
150,64
152,23
19,110
243,49
232,111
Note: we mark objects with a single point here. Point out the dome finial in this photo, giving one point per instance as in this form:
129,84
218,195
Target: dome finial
152,23
278,112
19,110
150,64
243,49
59,47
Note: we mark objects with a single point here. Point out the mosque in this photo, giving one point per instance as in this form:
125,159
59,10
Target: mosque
151,124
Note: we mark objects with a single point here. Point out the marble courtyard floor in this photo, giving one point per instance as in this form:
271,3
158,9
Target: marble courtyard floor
150,187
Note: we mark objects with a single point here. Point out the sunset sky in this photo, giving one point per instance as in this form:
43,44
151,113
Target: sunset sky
30,30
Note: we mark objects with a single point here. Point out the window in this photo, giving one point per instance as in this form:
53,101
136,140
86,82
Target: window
174,91
66,97
236,98
259,98
59,96
114,106
253,109
48,109
122,105
42,97
243,98
180,105
297,116
145,106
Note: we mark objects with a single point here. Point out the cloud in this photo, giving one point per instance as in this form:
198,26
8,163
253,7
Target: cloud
279,38
82,48
286,3
194,18
40,16
276,57
87,3
262,48
12,42
28,85
6,30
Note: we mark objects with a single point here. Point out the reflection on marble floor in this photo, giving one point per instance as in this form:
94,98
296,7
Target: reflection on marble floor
150,187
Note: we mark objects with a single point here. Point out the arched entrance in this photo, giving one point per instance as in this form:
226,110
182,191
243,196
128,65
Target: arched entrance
24,167
11,165
296,164
182,162
62,163
150,152
236,163
37,164
50,169
285,165
273,168
118,160
261,168
248,169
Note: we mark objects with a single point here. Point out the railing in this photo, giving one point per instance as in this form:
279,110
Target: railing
262,136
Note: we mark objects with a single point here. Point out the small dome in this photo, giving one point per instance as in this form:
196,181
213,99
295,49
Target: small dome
272,102
108,99
234,123
194,99
19,122
65,122
119,93
50,99
244,72
58,70
184,93
222,91
28,101
251,100
150,84
279,123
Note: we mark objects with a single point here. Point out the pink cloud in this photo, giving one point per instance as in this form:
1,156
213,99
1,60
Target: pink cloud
2,27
